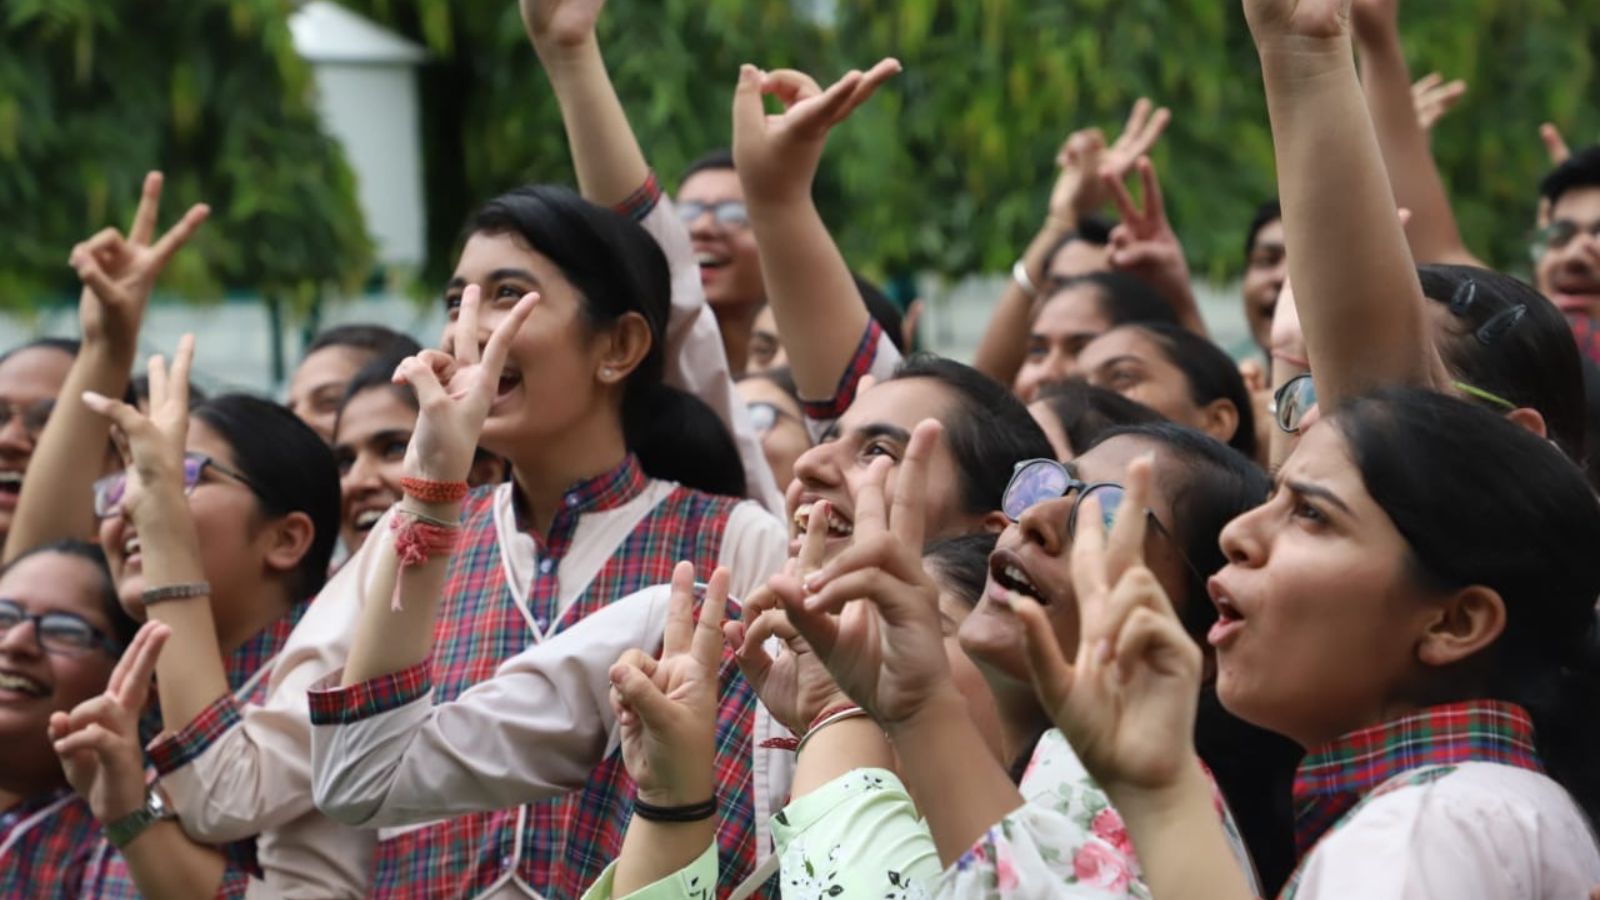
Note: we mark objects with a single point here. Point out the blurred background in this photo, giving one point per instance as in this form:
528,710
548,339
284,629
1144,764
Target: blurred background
341,144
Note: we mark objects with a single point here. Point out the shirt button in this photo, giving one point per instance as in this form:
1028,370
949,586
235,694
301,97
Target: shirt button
540,623
545,565
572,500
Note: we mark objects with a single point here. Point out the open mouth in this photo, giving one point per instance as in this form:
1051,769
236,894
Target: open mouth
17,683
365,519
130,547
838,525
509,381
1229,618
709,260
1008,576
1575,298
10,483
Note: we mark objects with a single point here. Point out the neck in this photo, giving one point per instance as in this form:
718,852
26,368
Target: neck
21,778
545,470
737,322
241,618
1021,718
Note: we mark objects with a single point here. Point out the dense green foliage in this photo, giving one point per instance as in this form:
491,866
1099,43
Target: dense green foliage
94,93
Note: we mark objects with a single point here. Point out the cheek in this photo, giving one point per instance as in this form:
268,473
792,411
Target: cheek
78,679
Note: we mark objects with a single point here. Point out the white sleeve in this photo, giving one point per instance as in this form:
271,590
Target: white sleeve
533,731
876,356
755,545
695,359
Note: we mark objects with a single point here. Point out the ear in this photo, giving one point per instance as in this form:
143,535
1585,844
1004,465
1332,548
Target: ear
1467,622
1529,418
288,540
994,522
622,347
1219,418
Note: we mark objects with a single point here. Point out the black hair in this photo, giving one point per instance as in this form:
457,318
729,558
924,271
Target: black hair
883,311
1591,393
139,387
782,377
373,339
989,432
123,627
289,468
617,269
69,346
1122,298
1504,337
375,374
1483,502
1214,484
692,447
961,563
1092,230
1581,170
714,160
1212,375
1086,412
1265,214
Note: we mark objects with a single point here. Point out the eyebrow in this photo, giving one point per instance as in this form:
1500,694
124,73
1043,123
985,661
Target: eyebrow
498,275
884,429
388,434
1322,493
1126,357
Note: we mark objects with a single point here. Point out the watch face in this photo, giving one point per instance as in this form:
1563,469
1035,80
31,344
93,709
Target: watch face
157,804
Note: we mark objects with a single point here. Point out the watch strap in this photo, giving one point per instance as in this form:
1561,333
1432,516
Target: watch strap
123,831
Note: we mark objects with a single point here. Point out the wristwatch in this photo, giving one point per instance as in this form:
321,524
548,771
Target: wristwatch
122,832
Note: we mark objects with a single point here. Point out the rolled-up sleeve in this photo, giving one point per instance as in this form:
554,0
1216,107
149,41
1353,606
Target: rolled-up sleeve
384,755
876,356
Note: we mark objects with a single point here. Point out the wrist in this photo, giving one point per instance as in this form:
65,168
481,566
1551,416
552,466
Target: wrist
1156,801
929,719
682,792
1290,55
565,51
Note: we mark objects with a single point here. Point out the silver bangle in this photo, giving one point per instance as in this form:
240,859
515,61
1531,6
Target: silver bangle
189,591
1019,274
839,716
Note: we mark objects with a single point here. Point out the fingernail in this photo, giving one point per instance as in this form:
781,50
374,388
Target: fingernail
813,581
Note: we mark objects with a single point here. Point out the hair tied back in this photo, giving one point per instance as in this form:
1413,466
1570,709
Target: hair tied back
1502,323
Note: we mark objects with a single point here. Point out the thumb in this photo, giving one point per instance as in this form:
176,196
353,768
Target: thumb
640,693
749,110
121,414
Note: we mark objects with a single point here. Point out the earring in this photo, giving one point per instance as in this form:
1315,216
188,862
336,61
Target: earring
606,372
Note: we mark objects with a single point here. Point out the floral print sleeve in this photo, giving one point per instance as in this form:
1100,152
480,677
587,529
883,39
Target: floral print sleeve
1066,841
696,881
856,836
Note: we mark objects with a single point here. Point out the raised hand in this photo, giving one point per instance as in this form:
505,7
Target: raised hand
561,23
1375,20
1314,20
119,272
98,741
777,155
1554,144
1127,700
1434,97
794,686
871,614
1144,127
455,388
1077,191
667,708
1144,244
154,444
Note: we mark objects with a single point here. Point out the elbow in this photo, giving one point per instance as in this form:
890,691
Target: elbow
346,801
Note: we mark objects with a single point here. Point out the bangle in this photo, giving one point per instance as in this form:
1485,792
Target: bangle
434,491
826,717
402,510
850,712
1019,274
186,591
694,812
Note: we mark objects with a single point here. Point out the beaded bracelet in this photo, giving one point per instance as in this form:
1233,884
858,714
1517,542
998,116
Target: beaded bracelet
434,491
154,595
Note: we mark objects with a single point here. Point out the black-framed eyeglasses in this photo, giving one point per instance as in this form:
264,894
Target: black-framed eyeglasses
61,633
1298,396
33,415
1035,481
765,416
109,490
728,214
1558,234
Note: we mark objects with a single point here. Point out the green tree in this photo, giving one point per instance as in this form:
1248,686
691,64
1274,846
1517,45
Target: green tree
94,93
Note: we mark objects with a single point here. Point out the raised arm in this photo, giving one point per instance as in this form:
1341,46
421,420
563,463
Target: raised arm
1386,80
1361,305
118,274
814,298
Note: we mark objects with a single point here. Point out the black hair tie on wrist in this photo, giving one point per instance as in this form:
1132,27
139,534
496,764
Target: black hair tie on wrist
694,812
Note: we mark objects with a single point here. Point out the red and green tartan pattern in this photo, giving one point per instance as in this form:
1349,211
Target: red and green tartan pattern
1332,780
642,201
48,859
110,878
567,841
335,704
845,394
1587,333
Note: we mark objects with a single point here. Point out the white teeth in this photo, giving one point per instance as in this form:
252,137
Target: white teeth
837,524
11,478
130,546
12,682
368,518
706,258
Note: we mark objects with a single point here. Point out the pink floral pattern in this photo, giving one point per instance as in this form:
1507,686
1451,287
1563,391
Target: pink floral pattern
1107,826
1100,866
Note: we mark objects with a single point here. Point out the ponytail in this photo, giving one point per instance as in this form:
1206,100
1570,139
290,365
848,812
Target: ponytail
677,437
1563,705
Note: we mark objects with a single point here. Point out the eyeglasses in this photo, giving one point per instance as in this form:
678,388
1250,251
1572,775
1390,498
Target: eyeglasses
60,633
1558,234
728,214
108,491
765,416
1035,481
1297,396
33,415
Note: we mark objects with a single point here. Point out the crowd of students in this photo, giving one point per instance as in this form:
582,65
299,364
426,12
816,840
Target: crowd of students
669,571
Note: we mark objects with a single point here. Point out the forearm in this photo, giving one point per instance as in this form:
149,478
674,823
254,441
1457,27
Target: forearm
605,153
57,501
951,773
840,748
1361,306
1179,839
653,850
1433,234
390,640
190,675
1004,345
166,864
819,310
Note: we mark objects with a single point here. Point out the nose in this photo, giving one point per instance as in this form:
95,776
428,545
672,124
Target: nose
21,639
1045,525
1241,539
15,437
819,467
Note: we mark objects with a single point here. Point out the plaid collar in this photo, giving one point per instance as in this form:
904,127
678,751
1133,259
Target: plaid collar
242,664
1335,777
608,490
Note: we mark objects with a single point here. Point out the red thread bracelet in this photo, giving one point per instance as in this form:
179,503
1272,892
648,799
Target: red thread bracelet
793,743
434,491
415,542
